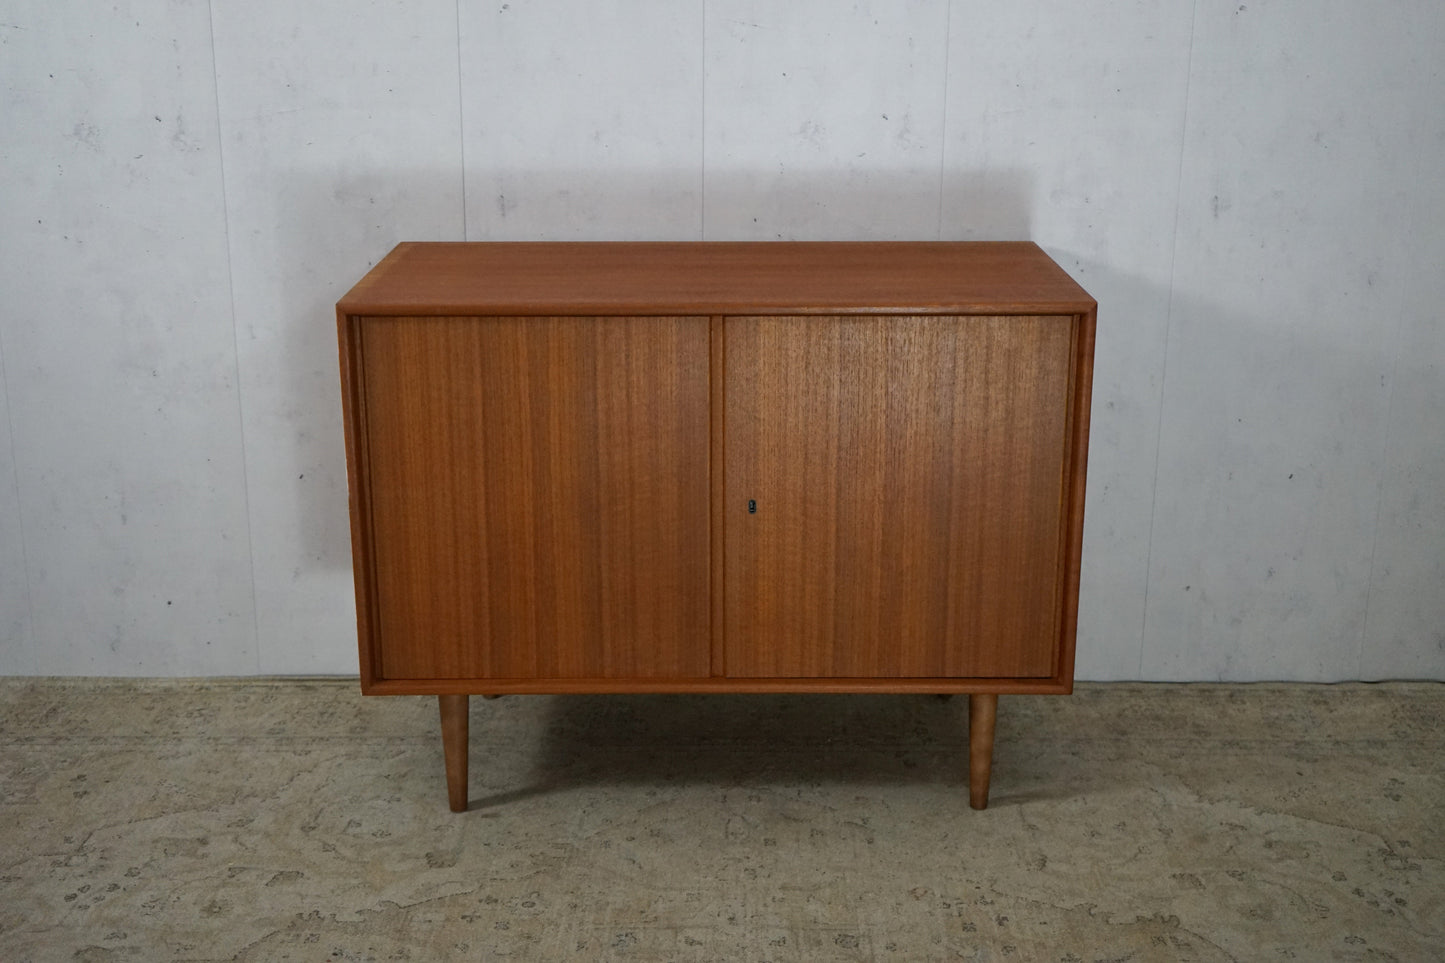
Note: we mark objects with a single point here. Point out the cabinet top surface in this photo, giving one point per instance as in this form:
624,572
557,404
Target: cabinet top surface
706,277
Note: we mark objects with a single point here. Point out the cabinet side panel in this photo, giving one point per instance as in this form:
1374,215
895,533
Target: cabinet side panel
1076,472
353,408
905,475
540,496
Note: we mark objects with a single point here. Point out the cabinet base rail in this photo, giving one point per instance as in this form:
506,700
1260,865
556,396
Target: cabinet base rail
455,720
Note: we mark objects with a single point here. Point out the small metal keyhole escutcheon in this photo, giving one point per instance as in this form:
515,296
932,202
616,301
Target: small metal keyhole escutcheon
752,506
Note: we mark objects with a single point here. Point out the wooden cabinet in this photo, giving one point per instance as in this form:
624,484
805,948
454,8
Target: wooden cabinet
716,468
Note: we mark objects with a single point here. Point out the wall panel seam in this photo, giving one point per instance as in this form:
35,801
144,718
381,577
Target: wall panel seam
1168,327
702,133
462,123
235,340
943,120
1424,167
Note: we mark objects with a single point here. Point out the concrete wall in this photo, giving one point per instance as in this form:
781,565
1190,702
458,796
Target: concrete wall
1252,190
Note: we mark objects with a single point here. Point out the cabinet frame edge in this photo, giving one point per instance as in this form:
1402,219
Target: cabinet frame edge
372,677
1074,490
353,416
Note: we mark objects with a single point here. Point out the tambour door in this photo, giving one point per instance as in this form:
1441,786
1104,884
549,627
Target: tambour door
894,495
538,496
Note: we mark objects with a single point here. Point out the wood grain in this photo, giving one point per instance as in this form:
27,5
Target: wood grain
422,282
719,519
538,496
716,468
720,686
716,278
908,475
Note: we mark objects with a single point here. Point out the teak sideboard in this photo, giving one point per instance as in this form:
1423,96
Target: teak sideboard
716,467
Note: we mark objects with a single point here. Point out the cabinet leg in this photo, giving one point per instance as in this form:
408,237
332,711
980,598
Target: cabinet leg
982,711
454,711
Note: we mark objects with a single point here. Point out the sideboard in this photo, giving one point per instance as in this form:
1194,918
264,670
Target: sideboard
716,467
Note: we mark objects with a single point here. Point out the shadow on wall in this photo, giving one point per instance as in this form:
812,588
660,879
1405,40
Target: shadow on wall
329,230
1242,492
1257,538
1123,444
745,206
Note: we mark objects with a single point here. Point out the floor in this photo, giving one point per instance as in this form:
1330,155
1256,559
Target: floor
297,820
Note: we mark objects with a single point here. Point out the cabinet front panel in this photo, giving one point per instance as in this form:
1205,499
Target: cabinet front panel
539,496
894,495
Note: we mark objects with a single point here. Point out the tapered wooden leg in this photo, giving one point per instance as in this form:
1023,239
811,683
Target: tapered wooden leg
982,711
454,710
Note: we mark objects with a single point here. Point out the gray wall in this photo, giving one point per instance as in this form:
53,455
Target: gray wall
1252,190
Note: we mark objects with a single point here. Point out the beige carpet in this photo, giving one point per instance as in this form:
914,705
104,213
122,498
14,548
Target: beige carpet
286,820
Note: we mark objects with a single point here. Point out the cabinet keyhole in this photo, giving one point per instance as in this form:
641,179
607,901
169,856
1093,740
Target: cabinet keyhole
752,506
